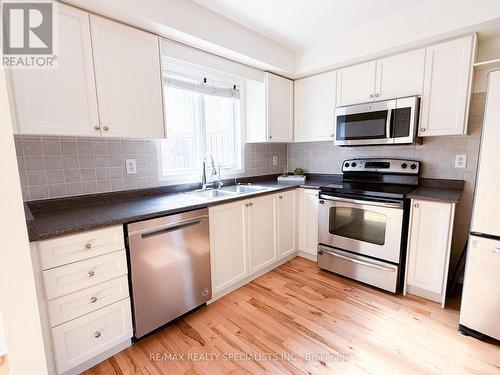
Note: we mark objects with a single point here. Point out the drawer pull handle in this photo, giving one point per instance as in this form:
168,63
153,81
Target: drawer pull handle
97,334
496,250
416,205
91,273
88,245
93,299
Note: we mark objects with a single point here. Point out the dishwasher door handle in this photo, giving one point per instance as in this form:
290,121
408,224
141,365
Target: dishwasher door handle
171,227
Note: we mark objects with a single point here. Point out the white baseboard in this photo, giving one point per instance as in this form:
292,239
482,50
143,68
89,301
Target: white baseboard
246,280
307,255
98,359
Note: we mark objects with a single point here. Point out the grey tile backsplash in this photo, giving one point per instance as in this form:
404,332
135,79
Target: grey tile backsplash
51,167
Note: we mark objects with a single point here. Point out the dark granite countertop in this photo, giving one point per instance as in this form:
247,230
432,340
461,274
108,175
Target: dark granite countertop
57,217
438,190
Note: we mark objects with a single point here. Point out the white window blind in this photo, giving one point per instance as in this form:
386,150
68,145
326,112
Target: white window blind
202,116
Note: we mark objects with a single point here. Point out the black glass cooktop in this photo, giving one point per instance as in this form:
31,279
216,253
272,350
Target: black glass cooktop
368,189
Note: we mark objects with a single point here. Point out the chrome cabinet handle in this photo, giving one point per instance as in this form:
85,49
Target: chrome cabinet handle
416,205
91,273
422,130
371,96
106,128
93,299
97,127
97,334
332,135
377,95
496,250
88,245
270,137
281,197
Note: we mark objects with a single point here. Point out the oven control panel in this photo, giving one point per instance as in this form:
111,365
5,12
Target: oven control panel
400,166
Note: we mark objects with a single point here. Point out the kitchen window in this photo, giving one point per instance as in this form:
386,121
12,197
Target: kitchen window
202,115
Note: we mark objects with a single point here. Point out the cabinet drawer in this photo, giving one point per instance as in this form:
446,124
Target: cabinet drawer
69,249
83,338
87,300
72,277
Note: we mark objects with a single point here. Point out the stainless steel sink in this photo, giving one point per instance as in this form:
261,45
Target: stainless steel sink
210,193
243,189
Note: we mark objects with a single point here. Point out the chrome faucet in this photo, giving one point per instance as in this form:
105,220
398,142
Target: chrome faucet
204,184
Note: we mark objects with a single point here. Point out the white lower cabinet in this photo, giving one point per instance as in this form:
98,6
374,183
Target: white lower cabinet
83,338
250,236
262,232
429,244
287,223
86,297
228,244
308,222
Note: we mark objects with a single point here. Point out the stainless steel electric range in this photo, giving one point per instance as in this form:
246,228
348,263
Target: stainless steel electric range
363,221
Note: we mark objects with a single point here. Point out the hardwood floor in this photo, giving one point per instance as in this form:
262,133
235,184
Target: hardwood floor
300,320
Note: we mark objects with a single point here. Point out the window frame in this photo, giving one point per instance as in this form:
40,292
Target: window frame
192,71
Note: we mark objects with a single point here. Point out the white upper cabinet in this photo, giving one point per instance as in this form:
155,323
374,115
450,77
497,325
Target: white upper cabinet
269,110
388,78
60,101
447,87
279,104
128,77
400,75
314,107
356,84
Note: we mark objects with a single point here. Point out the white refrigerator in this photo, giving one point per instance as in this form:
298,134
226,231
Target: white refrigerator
480,310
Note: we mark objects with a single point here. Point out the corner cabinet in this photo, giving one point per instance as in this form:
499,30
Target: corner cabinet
250,237
308,225
314,108
429,246
60,101
447,87
128,78
269,110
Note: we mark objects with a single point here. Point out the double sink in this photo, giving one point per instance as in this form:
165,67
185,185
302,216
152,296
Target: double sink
226,192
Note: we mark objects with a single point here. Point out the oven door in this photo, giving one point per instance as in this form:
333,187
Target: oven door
364,124
372,228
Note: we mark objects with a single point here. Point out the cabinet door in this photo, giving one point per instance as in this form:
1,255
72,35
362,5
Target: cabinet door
309,221
228,248
60,101
255,111
400,75
356,84
314,107
279,97
128,78
429,245
447,87
262,232
287,209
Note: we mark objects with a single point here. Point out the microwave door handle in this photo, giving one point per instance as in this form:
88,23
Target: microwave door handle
389,123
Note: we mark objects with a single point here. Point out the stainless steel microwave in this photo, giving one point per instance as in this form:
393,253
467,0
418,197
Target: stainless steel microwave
379,123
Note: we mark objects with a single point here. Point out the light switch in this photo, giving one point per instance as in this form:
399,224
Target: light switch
460,161
275,160
131,166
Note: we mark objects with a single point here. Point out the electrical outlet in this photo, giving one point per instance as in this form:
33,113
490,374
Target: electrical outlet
275,160
131,166
460,161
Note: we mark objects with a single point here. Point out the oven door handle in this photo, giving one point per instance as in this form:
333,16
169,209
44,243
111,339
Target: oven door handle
359,201
360,262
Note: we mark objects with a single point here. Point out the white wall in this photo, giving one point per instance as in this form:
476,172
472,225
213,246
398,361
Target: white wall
431,22
18,302
192,24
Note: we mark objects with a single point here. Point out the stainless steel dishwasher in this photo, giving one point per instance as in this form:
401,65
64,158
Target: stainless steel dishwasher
169,268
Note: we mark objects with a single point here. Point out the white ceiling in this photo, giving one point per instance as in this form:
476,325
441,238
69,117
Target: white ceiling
301,24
